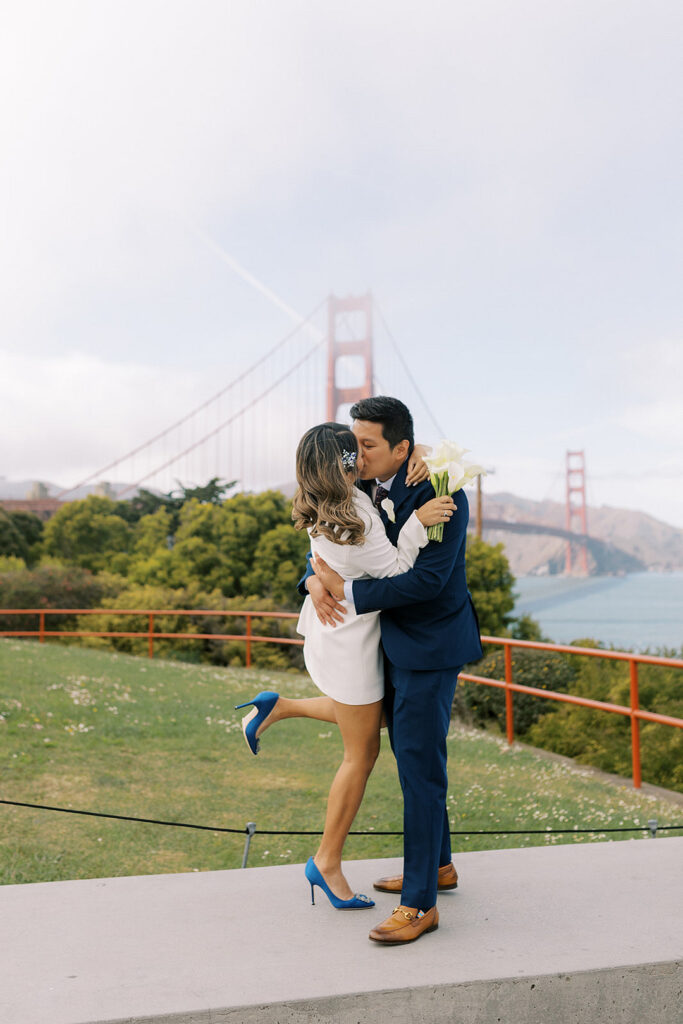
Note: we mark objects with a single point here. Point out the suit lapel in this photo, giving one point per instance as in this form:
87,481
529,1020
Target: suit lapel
398,495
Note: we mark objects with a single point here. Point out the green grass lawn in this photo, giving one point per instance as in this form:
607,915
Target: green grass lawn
160,739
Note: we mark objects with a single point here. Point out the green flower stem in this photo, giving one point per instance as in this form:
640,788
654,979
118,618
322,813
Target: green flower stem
440,485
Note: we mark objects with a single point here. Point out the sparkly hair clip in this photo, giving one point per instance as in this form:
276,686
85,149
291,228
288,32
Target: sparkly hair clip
349,459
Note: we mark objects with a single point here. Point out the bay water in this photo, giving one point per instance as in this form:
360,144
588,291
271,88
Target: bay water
634,612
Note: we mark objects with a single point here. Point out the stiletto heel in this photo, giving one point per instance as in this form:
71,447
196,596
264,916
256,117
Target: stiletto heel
263,704
314,876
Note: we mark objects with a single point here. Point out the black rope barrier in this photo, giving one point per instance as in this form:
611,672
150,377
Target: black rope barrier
125,817
251,828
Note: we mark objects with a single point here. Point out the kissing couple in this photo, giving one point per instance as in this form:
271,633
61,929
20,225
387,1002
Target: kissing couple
388,623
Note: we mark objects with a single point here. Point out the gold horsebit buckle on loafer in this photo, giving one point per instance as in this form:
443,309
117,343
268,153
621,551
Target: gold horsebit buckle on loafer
409,916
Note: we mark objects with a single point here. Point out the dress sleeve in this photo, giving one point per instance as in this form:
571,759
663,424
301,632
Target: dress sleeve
378,557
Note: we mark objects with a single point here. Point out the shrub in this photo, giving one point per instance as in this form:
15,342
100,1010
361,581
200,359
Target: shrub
52,586
90,534
485,705
12,542
217,652
603,739
490,582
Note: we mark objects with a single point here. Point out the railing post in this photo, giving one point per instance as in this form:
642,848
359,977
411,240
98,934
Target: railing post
41,628
248,641
635,725
251,828
151,634
509,711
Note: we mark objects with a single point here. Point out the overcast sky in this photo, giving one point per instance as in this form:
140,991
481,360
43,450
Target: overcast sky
505,178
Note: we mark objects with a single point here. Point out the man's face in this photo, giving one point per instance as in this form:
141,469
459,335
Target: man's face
379,460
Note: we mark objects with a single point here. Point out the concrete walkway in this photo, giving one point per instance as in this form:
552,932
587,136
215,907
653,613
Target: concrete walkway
575,933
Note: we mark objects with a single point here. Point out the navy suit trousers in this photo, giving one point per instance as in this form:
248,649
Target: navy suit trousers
418,712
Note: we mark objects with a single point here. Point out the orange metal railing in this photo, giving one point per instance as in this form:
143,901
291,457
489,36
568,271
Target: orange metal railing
248,636
633,711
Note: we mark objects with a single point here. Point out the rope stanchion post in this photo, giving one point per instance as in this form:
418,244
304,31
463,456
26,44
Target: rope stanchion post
652,825
251,829
41,629
248,655
151,635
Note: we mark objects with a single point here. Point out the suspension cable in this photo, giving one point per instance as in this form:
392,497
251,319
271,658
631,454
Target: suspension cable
407,369
197,409
227,422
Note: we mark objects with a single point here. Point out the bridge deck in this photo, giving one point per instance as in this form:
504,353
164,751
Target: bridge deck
585,932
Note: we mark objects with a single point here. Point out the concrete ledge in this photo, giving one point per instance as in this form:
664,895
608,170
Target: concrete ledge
568,933
616,996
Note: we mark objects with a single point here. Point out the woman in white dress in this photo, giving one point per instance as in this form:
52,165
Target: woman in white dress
344,662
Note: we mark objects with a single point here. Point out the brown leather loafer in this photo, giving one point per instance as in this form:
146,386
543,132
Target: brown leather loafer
446,879
405,926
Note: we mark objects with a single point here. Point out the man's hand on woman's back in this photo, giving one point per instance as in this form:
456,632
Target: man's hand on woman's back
327,608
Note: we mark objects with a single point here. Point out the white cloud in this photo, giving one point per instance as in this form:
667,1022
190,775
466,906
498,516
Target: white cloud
659,420
65,416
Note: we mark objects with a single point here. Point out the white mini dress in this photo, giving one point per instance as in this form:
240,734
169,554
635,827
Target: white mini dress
345,661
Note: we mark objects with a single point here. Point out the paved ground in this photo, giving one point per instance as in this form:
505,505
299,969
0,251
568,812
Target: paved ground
527,928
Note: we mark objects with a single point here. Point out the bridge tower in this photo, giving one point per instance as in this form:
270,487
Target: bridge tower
349,335
576,509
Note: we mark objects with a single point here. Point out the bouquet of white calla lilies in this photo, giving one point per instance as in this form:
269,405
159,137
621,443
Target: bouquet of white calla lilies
448,472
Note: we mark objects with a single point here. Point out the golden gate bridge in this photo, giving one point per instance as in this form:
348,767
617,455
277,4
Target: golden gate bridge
248,429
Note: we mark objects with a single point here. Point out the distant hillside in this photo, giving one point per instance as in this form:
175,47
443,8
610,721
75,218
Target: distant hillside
636,540
17,490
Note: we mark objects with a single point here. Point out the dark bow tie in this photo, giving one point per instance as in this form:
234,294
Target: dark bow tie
380,495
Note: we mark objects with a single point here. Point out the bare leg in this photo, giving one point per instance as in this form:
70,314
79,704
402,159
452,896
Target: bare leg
322,709
359,726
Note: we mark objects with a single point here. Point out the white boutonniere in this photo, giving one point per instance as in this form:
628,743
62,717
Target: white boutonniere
388,507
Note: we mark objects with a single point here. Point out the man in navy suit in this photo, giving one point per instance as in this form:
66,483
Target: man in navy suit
429,631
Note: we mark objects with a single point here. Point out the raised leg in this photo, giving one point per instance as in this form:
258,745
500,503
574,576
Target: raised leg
322,709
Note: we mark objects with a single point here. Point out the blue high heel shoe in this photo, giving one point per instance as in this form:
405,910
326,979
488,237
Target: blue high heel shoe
263,704
357,902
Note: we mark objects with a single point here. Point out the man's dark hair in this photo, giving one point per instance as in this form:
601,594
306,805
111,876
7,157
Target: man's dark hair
397,423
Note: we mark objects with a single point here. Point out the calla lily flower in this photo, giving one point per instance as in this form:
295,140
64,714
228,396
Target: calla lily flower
449,472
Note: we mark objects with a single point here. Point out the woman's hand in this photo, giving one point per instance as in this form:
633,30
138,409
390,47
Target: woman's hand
330,579
438,510
417,471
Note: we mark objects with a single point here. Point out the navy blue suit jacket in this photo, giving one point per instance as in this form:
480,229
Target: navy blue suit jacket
428,620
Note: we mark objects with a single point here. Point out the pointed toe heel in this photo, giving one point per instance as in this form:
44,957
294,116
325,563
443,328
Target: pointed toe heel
263,704
315,877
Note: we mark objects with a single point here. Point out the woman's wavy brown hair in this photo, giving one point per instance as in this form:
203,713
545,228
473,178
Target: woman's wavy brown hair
323,502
